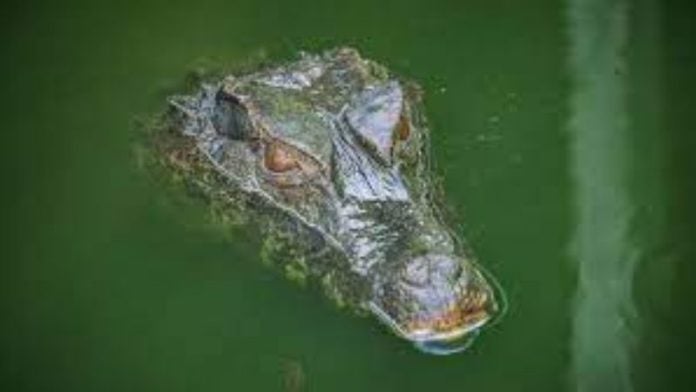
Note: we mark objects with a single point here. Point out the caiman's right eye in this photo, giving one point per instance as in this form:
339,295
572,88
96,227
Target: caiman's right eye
230,117
279,159
403,128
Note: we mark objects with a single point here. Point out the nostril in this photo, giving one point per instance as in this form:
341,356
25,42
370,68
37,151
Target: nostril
416,272
448,267
431,269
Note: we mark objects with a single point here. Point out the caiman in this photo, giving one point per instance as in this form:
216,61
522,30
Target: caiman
329,155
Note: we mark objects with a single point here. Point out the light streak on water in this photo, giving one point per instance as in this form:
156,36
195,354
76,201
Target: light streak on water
600,158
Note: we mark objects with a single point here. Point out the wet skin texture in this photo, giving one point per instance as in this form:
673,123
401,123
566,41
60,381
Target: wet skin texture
331,154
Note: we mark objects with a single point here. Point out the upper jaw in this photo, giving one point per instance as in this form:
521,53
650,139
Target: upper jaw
432,341
466,327
437,301
448,326
440,329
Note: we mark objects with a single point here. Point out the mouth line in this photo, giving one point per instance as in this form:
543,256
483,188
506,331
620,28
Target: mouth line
426,335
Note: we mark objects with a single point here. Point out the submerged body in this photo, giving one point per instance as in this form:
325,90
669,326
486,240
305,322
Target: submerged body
330,154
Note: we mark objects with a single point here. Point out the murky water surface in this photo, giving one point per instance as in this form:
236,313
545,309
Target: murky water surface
560,128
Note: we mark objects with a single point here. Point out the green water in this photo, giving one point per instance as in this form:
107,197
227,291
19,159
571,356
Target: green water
561,129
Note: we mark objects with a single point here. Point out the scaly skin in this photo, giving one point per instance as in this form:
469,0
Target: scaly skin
328,156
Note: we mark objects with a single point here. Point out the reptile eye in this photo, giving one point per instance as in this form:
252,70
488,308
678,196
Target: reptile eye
230,117
279,159
403,129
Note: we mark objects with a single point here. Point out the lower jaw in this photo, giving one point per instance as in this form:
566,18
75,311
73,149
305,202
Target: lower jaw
446,346
435,343
449,342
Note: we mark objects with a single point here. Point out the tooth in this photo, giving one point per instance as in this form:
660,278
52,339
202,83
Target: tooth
465,302
481,299
468,304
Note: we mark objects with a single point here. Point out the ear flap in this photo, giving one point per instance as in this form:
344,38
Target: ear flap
374,114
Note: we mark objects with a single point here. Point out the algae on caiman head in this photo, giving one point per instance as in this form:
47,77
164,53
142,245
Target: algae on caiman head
329,156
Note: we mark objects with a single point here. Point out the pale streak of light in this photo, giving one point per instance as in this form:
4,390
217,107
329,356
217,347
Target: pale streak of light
600,154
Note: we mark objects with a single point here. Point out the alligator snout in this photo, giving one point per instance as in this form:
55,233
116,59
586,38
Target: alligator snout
436,301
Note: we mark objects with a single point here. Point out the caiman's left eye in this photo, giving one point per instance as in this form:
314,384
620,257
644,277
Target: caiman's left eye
280,159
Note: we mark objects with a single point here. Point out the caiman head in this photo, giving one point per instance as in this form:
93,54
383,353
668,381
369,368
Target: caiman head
341,145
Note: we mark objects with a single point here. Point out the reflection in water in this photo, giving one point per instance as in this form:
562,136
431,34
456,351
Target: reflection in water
600,158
